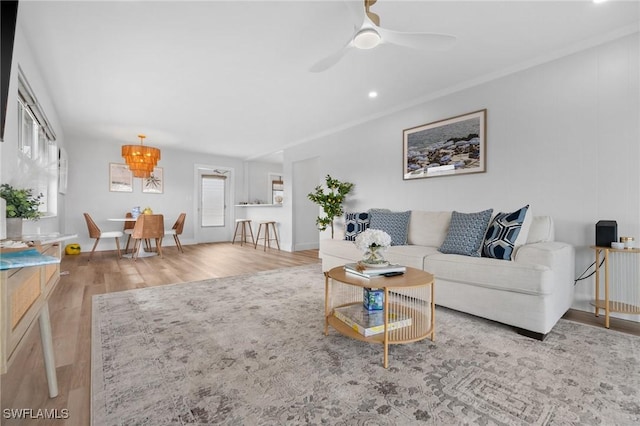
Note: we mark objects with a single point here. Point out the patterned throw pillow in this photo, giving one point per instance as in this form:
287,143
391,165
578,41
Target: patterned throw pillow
466,233
500,239
355,223
396,224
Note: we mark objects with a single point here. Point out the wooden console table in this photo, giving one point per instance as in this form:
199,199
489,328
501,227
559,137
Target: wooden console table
408,295
25,288
623,264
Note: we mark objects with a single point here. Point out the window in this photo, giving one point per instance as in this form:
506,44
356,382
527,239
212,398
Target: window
212,196
37,150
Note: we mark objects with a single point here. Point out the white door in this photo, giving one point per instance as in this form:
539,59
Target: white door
213,204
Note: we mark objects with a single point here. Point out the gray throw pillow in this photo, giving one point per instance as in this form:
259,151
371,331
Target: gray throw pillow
396,224
466,233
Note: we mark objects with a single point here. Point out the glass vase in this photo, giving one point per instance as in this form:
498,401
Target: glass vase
374,256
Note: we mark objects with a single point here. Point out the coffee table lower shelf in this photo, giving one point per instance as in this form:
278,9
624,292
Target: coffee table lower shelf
409,295
347,331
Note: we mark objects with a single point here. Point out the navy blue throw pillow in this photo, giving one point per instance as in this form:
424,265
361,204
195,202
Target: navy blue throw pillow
355,223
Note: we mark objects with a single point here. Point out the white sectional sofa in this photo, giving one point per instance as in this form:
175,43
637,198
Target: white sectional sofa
530,292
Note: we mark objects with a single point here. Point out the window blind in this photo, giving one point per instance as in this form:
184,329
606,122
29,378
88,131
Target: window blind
213,200
26,95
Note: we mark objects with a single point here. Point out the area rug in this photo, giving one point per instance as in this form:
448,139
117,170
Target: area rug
250,350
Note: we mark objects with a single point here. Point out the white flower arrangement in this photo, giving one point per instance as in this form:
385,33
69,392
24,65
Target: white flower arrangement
372,238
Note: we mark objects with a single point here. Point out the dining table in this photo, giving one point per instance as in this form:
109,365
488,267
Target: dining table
141,251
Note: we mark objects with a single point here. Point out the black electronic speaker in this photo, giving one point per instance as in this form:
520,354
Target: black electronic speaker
606,233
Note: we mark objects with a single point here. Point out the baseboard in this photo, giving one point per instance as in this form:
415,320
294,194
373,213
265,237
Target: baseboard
617,324
306,246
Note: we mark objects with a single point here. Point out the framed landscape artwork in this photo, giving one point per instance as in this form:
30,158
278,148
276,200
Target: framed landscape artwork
120,178
452,146
154,184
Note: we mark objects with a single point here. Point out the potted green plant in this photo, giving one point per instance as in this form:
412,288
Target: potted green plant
330,201
21,204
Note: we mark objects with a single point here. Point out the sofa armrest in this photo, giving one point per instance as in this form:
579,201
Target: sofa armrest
555,255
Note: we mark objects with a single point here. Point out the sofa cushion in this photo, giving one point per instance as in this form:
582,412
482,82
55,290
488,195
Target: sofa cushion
396,224
466,233
340,248
491,273
502,233
410,255
355,223
428,228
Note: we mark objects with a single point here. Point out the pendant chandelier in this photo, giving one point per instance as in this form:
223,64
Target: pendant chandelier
141,159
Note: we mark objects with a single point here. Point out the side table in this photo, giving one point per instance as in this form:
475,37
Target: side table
409,295
622,291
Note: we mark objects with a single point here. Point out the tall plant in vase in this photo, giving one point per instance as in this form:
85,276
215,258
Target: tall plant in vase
330,199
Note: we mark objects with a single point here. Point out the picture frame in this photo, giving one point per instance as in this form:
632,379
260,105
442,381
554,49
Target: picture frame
154,184
452,146
120,178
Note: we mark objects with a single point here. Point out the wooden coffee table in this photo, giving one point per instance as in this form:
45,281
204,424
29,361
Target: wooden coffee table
408,295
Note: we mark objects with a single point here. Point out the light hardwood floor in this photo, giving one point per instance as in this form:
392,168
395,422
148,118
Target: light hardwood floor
25,386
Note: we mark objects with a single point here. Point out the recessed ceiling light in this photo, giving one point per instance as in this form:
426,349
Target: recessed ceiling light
599,1
373,94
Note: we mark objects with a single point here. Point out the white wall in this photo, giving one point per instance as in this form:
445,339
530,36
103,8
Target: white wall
563,137
10,171
258,183
305,176
88,189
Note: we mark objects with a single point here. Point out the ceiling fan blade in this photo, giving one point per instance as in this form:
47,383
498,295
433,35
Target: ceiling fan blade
426,41
330,60
355,10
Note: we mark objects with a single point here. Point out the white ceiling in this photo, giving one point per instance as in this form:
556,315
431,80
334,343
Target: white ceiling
231,78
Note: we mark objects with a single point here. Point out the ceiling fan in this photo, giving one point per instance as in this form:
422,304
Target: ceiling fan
370,35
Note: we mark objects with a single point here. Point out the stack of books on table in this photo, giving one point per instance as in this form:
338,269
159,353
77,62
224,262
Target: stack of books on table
370,271
369,323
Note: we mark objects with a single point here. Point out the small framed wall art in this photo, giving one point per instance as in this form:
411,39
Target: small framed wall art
154,184
452,146
120,178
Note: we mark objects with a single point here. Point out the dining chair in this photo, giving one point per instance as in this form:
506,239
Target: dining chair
95,232
128,229
147,227
177,230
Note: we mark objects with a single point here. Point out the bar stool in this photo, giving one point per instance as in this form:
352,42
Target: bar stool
241,225
267,239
